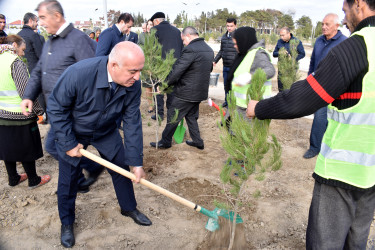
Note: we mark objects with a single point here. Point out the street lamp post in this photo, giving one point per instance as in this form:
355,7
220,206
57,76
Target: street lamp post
105,13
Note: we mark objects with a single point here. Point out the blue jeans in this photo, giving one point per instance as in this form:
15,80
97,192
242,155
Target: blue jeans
318,129
225,77
89,165
339,218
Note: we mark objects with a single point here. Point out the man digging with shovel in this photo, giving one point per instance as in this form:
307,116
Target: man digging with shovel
83,108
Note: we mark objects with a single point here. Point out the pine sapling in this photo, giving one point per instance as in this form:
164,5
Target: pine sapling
288,65
247,143
156,70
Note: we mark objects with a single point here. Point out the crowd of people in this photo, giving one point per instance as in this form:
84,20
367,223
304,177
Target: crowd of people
89,84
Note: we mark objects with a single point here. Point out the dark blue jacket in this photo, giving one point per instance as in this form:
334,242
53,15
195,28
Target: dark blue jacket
170,37
34,46
81,110
108,39
281,44
227,51
58,53
321,48
133,37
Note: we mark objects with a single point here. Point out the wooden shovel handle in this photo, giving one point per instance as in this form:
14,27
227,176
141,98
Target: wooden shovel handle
144,182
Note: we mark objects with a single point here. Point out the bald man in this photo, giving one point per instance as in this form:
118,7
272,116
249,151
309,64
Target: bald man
323,44
83,108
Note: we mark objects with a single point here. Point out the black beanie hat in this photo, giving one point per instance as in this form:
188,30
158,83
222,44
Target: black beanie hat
157,15
245,38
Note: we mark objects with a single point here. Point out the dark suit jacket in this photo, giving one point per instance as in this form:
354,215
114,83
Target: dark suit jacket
170,37
133,37
34,46
81,110
108,39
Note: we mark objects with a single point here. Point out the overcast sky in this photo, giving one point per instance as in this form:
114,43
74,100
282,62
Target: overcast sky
83,10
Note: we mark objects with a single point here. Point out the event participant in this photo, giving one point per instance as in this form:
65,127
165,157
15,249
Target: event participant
34,44
20,137
190,80
170,38
251,56
113,35
284,42
330,38
343,202
83,109
65,47
2,25
227,52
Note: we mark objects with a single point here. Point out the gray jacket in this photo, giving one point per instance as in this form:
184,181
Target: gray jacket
262,60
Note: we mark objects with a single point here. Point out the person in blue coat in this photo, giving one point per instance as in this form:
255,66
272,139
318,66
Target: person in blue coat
83,108
323,44
285,37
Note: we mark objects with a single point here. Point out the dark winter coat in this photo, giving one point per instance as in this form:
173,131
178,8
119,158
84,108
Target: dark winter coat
34,46
59,52
170,37
281,44
190,75
227,51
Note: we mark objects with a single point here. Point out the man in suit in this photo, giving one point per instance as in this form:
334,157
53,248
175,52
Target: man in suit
131,37
65,46
115,34
34,44
170,37
83,108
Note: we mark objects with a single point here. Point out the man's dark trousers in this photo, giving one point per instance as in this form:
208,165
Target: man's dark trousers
160,100
189,110
67,187
87,164
318,129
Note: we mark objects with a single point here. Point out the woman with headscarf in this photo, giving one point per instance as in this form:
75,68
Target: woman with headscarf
251,56
20,137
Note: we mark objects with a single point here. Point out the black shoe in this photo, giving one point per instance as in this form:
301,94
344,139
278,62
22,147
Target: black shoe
193,144
225,104
160,145
138,217
67,236
153,117
93,177
82,189
310,154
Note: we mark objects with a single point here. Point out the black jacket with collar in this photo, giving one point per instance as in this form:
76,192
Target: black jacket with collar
170,37
34,46
191,72
227,51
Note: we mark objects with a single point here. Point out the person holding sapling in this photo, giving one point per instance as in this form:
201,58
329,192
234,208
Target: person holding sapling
251,56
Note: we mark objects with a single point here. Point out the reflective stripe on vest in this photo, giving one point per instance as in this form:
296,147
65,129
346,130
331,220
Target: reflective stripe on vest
348,149
9,97
244,67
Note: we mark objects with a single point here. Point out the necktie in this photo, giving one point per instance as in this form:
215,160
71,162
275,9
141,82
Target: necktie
113,87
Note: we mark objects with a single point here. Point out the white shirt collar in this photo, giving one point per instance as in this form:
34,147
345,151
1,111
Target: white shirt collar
109,77
62,28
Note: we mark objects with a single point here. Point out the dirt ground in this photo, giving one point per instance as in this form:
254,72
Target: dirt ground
275,210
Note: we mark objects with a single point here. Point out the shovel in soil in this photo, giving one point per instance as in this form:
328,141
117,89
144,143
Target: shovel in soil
179,134
213,221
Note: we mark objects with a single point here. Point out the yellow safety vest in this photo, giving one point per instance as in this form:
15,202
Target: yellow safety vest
9,97
244,68
348,148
